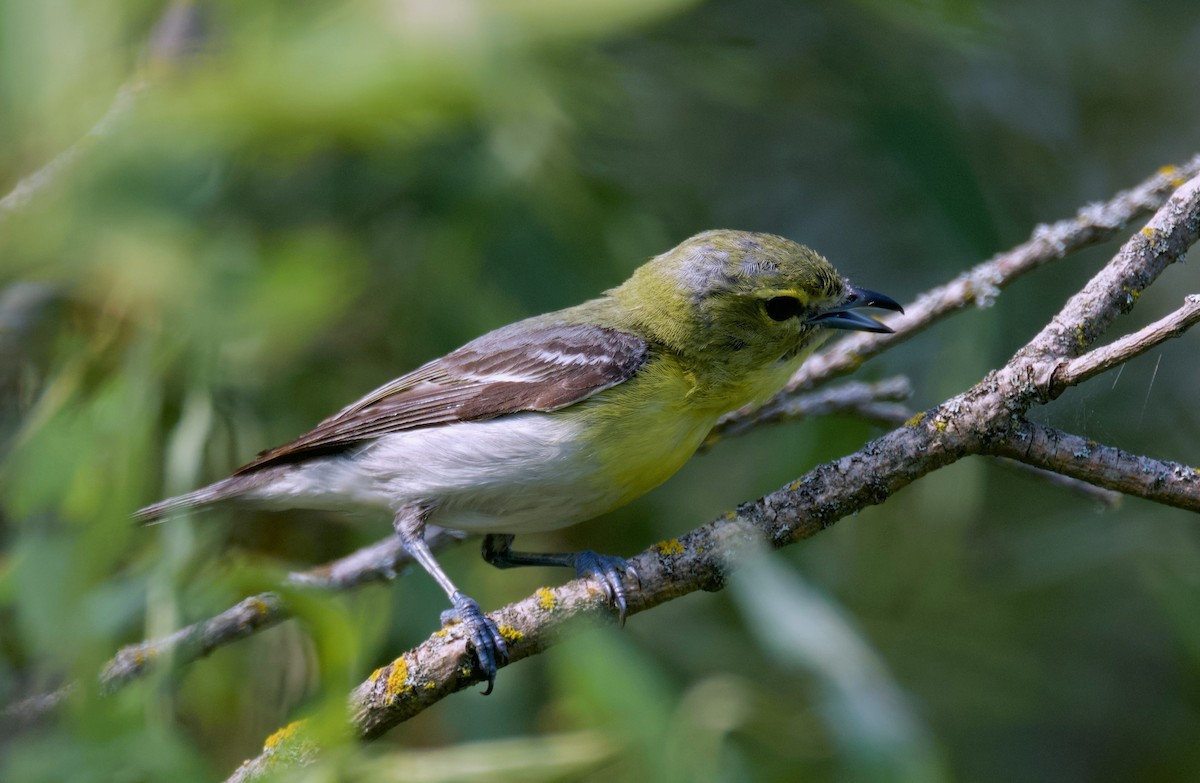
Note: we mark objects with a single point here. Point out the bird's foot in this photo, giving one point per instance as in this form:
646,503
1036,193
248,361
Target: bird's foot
491,651
609,571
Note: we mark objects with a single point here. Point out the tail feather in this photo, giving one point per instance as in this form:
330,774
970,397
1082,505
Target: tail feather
226,489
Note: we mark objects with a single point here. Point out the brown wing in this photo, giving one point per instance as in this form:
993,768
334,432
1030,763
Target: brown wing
521,367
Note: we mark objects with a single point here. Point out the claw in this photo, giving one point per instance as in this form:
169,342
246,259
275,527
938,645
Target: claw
608,571
491,651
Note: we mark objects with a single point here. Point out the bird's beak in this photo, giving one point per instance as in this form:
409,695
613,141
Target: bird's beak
844,317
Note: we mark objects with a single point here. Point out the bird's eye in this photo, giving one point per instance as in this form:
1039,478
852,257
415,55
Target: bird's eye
781,308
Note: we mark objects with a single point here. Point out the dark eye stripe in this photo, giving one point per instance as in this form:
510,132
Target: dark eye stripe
781,308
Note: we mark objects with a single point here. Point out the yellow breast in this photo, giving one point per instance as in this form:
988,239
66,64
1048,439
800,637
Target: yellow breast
643,431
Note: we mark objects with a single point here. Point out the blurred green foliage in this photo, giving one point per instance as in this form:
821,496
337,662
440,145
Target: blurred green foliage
312,197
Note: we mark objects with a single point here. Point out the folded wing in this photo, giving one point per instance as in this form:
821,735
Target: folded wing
521,367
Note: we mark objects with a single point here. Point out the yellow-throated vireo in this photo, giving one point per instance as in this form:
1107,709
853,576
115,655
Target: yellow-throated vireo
558,418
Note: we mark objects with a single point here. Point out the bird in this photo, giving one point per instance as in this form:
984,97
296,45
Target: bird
558,418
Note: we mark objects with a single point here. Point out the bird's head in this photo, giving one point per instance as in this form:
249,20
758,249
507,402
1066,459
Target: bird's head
744,303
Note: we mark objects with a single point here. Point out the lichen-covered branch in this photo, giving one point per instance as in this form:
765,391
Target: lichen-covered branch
1115,290
1118,352
869,401
875,401
196,640
987,419
1162,481
379,562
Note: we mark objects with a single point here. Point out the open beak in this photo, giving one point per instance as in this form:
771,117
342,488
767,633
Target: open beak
844,317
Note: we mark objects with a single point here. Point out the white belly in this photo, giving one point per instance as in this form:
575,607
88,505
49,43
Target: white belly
517,474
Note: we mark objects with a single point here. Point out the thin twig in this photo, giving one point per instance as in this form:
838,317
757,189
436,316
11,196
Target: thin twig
1105,497
28,711
177,35
855,398
34,184
1122,350
381,561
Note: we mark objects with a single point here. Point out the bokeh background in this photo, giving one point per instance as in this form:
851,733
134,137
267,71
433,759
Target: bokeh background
312,197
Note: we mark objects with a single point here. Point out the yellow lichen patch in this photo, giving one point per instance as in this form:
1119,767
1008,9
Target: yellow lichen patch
283,735
1080,337
260,608
430,686
1172,172
669,548
915,420
374,678
941,426
1148,232
546,599
510,634
442,633
397,680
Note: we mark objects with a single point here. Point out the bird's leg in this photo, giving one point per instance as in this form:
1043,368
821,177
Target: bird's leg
490,648
606,569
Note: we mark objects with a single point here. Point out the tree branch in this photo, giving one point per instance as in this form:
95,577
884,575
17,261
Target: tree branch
1115,290
379,562
34,184
1162,481
177,34
866,400
1118,352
